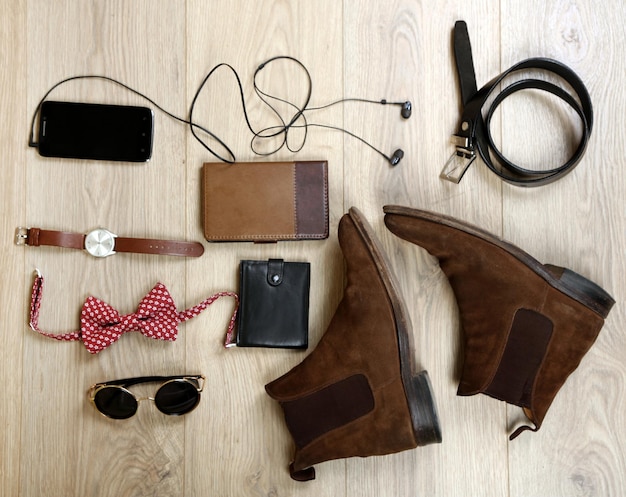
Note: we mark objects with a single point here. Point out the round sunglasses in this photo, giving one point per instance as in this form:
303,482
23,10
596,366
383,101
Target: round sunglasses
177,395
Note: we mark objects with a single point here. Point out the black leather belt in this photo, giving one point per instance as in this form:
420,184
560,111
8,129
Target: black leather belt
474,133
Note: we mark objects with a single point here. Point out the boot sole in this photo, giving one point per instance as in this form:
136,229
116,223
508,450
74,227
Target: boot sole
570,283
417,387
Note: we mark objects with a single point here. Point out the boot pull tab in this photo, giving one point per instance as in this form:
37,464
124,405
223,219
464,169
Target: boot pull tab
275,270
522,429
307,474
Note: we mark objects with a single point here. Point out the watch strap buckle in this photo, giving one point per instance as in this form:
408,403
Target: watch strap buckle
21,235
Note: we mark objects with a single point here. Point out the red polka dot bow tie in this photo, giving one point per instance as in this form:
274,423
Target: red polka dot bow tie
101,325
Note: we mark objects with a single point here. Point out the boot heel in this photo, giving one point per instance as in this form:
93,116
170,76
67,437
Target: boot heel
423,410
588,292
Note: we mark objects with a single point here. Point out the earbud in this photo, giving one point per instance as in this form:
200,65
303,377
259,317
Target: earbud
406,109
396,157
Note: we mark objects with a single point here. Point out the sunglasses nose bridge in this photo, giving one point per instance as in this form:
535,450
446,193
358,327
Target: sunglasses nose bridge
141,399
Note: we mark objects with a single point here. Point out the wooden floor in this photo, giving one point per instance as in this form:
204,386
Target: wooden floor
235,443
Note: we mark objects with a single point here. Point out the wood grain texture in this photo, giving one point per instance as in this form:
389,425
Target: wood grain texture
577,223
12,307
236,443
411,46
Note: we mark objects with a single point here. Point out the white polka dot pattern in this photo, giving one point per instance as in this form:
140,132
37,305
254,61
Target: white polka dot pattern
156,317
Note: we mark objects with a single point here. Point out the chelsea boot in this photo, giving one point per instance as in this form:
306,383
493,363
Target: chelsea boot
356,393
525,325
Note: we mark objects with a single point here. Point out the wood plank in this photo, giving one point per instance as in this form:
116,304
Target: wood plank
240,445
398,52
13,307
578,223
67,447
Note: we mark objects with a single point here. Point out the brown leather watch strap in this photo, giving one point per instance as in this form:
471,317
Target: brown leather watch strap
35,237
160,247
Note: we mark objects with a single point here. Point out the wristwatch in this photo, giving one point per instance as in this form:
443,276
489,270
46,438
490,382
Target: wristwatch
102,243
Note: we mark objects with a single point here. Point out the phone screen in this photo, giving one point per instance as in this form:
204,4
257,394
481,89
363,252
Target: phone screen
95,131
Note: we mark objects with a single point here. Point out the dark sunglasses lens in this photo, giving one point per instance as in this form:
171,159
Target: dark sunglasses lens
115,403
177,397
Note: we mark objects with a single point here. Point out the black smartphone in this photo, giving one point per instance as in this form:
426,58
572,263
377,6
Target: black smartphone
95,131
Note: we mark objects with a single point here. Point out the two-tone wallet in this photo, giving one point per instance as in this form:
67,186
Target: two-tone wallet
274,308
265,201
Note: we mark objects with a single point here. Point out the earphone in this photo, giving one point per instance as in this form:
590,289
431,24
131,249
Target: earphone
397,155
298,120
406,110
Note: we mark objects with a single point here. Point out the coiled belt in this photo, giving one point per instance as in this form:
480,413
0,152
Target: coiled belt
474,132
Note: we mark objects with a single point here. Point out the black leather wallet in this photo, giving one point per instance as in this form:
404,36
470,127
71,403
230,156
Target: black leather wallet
274,309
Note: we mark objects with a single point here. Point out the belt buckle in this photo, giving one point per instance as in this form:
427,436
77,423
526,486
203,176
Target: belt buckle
459,161
21,235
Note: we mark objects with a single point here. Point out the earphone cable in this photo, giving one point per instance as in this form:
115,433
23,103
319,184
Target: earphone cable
297,121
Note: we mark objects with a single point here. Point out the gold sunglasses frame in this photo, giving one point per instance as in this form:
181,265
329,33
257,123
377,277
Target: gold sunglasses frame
197,381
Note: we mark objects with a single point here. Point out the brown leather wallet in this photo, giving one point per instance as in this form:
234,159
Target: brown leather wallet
265,201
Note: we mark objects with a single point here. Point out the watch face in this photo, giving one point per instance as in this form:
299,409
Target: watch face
100,243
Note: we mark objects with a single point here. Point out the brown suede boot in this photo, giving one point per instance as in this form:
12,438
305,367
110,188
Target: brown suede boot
356,394
526,326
